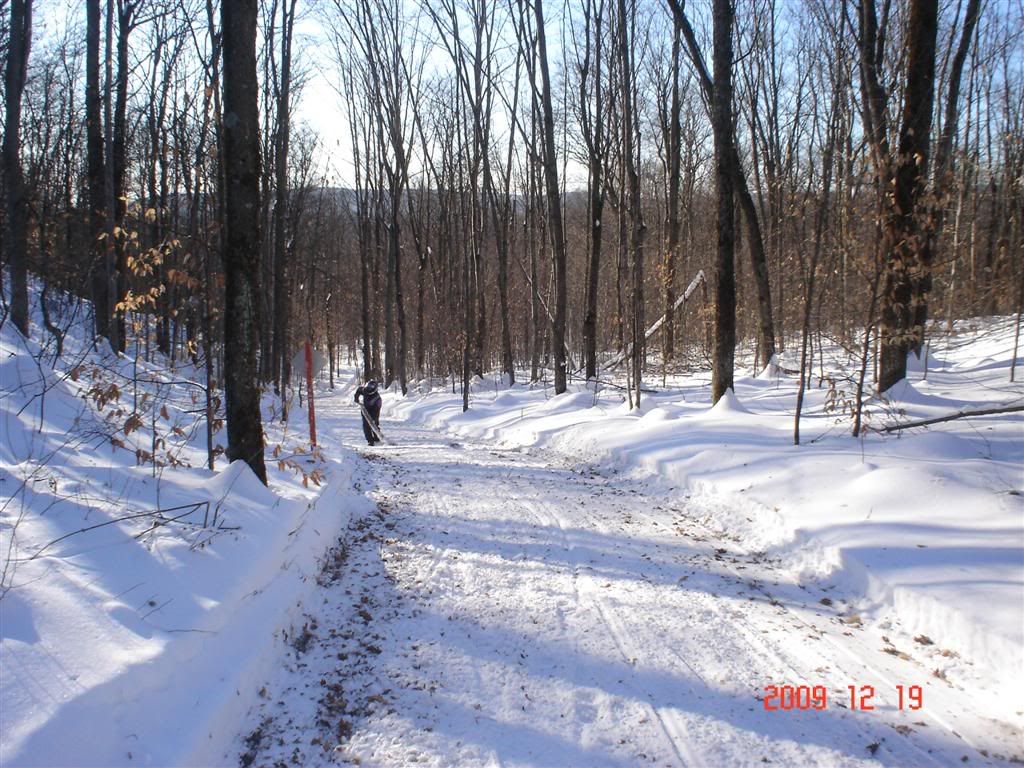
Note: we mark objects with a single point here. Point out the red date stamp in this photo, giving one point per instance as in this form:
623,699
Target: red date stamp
787,698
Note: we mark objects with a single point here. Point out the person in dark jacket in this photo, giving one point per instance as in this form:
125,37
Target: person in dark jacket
372,403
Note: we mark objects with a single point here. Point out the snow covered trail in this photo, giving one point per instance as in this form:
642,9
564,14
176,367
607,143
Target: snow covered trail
499,608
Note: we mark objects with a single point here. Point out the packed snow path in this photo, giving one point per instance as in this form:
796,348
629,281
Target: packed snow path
499,608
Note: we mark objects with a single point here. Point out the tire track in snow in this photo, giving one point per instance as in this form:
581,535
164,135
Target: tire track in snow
542,501
500,570
426,574
672,722
672,726
839,675
759,647
524,499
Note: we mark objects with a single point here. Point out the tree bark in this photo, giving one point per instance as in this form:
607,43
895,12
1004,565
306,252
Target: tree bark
673,150
395,260
118,159
758,260
630,152
533,203
364,292
755,238
16,241
722,127
98,268
554,203
943,169
241,163
906,234
282,288
594,137
108,179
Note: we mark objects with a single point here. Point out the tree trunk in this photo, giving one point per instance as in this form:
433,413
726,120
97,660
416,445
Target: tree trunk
812,270
673,223
758,260
630,153
364,292
16,241
109,199
594,137
98,281
119,205
279,351
906,235
403,344
755,239
374,261
241,163
501,213
535,310
722,127
554,202
943,169
421,288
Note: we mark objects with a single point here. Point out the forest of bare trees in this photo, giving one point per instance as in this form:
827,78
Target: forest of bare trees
523,187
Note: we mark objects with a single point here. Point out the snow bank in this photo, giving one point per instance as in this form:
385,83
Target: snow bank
922,532
116,656
123,642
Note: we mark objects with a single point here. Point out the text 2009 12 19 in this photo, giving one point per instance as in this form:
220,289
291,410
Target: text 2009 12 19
787,698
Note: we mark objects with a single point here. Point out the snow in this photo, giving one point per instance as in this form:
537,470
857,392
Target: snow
539,581
122,645
924,529
501,607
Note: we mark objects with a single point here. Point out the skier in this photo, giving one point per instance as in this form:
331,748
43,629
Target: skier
372,403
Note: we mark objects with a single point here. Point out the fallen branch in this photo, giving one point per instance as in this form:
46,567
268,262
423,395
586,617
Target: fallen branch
951,417
613,385
628,352
190,508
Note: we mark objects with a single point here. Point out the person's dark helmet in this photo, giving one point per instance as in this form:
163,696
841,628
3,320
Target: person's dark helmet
371,387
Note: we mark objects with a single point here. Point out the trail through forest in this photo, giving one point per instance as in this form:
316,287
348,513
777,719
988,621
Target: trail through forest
498,607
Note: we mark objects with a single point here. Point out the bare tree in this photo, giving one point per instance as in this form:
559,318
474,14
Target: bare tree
389,45
632,199
943,168
125,12
16,241
725,278
592,96
900,175
829,141
671,121
282,87
475,177
502,206
552,190
755,240
100,268
353,107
